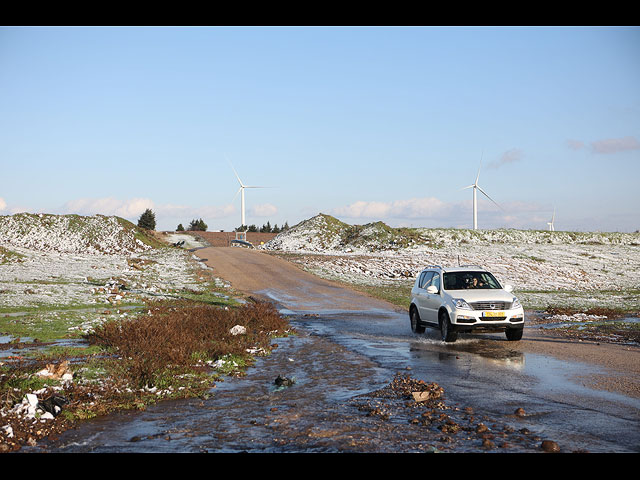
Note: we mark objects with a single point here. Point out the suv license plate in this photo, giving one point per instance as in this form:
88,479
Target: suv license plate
494,314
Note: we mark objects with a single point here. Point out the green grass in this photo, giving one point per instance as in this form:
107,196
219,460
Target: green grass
624,301
398,294
56,324
9,256
53,353
211,296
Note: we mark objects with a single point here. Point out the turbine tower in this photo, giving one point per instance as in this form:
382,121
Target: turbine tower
476,187
241,191
551,229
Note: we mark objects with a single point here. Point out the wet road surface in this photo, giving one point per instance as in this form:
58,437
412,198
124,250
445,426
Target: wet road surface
348,346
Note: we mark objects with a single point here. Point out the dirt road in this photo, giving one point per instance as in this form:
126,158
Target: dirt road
272,278
275,279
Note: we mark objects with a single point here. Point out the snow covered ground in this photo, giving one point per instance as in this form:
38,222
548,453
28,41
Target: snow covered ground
575,269
61,261
190,241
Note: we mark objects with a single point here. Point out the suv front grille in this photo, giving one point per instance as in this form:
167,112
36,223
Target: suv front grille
491,305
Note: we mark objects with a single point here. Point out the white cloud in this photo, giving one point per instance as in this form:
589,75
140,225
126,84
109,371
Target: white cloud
3,204
510,156
264,210
575,144
131,209
108,206
432,212
614,145
211,211
411,208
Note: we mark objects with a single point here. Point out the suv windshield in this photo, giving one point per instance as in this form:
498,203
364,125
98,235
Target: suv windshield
469,280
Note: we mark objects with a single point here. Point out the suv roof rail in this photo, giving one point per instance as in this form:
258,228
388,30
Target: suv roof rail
476,266
432,266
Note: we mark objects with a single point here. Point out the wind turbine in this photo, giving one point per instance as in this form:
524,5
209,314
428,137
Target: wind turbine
241,191
551,229
476,187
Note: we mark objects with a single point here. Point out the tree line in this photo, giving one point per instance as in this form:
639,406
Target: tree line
266,228
148,221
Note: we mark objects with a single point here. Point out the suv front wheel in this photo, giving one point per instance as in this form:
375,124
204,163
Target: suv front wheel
448,335
513,334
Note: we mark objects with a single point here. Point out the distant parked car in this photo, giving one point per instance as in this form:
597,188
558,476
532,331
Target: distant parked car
464,299
241,243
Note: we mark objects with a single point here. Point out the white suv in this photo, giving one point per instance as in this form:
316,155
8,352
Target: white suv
464,299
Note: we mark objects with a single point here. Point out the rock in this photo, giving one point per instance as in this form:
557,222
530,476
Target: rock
519,412
550,446
481,428
421,396
486,443
61,371
238,330
32,400
284,381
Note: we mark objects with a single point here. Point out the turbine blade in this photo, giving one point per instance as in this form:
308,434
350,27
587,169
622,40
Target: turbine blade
470,186
234,197
478,176
486,195
234,171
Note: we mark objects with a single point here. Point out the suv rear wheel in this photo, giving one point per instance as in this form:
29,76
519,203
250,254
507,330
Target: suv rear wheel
415,321
448,335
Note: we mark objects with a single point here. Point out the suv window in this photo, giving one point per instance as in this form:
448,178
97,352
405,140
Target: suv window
435,281
425,279
470,280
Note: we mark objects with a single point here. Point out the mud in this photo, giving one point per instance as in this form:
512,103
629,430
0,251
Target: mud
351,351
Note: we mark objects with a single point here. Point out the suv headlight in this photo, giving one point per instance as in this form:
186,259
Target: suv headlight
516,303
460,303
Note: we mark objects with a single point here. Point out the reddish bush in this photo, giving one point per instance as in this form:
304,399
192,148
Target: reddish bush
172,335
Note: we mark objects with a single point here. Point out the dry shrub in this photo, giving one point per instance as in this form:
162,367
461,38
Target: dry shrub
172,335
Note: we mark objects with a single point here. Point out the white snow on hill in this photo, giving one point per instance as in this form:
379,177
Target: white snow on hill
62,260
70,234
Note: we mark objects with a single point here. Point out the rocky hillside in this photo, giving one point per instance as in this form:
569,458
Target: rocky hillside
326,234
97,234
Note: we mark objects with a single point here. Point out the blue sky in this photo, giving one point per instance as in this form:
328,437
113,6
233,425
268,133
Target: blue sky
363,123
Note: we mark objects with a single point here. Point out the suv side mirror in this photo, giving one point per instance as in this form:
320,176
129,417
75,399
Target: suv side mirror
508,288
432,289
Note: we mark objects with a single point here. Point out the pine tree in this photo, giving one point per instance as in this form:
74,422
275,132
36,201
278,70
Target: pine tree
198,225
180,228
266,228
147,220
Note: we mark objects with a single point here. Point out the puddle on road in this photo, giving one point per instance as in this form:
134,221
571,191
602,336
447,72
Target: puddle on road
486,372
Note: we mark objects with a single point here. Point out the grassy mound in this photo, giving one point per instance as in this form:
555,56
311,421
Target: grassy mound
97,234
